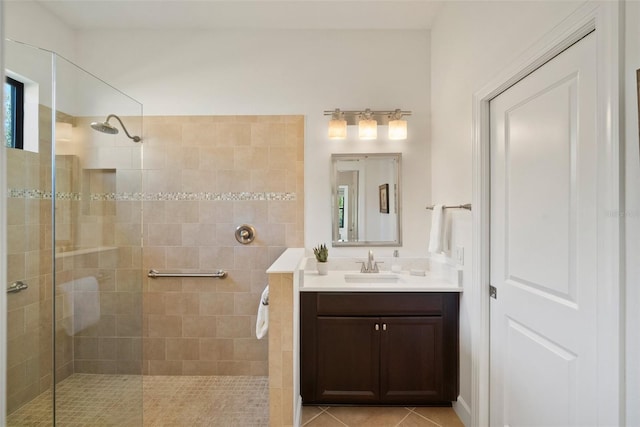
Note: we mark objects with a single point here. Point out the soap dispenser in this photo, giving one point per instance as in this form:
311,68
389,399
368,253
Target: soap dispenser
395,262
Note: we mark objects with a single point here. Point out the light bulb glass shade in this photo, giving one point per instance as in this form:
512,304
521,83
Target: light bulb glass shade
397,129
337,129
63,131
367,129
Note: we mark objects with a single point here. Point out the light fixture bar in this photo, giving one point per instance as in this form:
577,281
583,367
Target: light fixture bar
367,121
381,116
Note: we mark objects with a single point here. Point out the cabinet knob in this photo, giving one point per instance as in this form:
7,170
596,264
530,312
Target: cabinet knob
384,326
377,327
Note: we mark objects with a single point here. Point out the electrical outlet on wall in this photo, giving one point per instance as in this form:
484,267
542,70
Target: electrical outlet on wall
458,254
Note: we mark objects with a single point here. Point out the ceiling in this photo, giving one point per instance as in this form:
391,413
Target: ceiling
244,14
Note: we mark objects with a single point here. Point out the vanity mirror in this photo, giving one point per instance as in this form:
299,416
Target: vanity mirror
365,193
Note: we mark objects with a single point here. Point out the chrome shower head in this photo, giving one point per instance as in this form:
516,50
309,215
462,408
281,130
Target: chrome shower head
106,127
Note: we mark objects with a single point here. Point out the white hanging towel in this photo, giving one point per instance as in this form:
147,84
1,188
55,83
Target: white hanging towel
262,322
437,224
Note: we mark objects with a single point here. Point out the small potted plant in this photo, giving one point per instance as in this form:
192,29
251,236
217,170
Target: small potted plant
322,254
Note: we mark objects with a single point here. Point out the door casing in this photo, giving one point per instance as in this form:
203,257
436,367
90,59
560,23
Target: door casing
605,18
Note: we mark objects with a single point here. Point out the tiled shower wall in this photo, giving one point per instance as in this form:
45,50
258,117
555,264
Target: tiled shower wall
203,177
30,342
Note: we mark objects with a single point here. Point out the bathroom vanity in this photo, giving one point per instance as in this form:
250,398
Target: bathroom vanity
378,339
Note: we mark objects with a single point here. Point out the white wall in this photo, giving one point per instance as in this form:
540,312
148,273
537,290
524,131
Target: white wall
632,212
286,72
28,22
471,42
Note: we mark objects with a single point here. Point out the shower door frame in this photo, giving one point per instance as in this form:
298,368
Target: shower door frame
3,246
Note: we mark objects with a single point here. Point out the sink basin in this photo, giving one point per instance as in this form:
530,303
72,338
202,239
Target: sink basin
371,277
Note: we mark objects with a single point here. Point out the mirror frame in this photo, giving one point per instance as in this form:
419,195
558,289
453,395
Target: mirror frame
334,199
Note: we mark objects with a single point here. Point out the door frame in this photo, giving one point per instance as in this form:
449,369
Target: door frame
607,20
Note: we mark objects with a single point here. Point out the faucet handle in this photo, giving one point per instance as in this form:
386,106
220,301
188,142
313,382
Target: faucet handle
375,266
363,269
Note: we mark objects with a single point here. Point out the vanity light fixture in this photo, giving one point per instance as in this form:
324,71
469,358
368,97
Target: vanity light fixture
368,122
337,125
397,126
367,126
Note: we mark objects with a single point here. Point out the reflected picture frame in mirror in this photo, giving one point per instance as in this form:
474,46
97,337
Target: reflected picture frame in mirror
366,199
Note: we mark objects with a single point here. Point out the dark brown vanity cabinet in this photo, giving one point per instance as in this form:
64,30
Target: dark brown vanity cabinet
379,348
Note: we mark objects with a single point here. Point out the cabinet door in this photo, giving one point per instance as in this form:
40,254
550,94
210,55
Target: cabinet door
412,360
348,359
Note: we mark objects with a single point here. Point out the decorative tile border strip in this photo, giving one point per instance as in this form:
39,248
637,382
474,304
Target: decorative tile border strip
13,193
155,197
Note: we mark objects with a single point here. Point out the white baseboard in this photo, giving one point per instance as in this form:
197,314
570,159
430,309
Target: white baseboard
297,414
463,411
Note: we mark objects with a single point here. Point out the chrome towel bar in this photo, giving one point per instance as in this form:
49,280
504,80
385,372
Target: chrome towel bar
466,206
217,273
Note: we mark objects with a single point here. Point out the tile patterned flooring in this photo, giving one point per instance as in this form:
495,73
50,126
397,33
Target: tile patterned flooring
190,401
358,416
223,401
172,401
86,400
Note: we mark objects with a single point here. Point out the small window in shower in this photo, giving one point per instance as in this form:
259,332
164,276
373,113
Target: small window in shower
13,113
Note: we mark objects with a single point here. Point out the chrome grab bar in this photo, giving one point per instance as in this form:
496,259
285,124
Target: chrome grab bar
17,287
217,273
466,206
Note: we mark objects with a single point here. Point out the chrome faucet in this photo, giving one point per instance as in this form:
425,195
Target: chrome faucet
370,266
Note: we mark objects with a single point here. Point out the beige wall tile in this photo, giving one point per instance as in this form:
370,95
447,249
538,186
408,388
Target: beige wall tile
234,367
199,235
199,367
164,235
216,304
246,303
182,257
233,326
161,326
226,154
234,134
233,180
154,348
216,349
165,367
86,348
194,181
268,134
183,349
15,323
199,326
199,134
181,304
250,349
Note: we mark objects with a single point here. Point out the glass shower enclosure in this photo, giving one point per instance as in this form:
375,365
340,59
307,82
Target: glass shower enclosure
74,248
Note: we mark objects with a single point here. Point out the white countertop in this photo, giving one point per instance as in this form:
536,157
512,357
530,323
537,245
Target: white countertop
288,262
335,281
293,260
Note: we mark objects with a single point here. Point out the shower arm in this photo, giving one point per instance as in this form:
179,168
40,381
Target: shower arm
124,128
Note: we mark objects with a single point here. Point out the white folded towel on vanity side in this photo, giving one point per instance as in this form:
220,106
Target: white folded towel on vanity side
437,225
262,322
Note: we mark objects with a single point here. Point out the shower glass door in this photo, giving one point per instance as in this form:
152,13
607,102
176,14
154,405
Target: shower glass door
86,194
29,248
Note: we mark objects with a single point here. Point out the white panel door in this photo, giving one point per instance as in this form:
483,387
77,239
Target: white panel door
543,245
